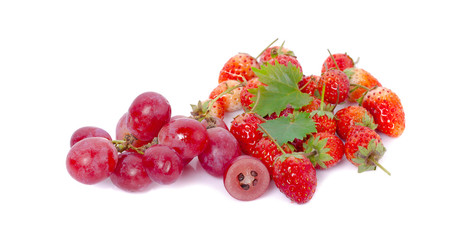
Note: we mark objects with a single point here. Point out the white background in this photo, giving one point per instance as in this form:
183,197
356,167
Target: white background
68,64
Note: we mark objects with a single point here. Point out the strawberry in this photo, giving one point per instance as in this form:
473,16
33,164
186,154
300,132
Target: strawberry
232,100
244,127
387,110
238,67
266,151
364,148
324,150
308,84
337,86
273,52
203,109
349,116
295,176
246,95
287,111
322,115
359,80
285,60
342,59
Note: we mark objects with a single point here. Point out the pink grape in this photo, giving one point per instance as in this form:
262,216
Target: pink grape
147,114
247,178
162,164
91,160
130,174
184,135
221,150
121,130
86,132
217,122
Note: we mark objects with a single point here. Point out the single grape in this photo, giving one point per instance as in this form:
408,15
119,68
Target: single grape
130,174
162,164
91,160
147,114
121,131
247,178
221,150
184,135
210,122
86,132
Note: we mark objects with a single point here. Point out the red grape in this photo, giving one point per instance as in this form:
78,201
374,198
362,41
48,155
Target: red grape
86,132
121,130
217,122
147,114
91,160
221,150
247,178
130,174
184,135
162,164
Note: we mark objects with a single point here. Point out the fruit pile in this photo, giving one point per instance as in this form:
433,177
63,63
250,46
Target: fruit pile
286,128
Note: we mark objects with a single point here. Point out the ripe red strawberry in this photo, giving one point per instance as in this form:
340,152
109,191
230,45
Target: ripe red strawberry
295,176
266,151
342,59
359,76
246,95
324,150
232,100
322,116
272,52
337,86
244,127
284,60
288,110
349,116
308,84
387,110
238,67
364,148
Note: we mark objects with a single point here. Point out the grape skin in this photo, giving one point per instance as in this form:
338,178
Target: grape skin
86,132
221,150
91,160
147,114
162,164
130,174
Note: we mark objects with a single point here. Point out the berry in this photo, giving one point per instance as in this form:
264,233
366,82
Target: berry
86,132
273,52
130,174
285,60
322,116
387,111
364,148
91,160
308,84
147,114
359,77
244,127
238,67
336,85
342,59
324,150
186,136
246,95
222,148
246,178
123,133
295,176
349,116
162,164
232,100
266,151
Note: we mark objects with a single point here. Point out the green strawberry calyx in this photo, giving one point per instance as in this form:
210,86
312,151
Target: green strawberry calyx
316,151
368,158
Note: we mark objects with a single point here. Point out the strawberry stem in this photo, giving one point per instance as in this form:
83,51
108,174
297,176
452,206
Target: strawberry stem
375,162
267,48
257,100
331,55
272,139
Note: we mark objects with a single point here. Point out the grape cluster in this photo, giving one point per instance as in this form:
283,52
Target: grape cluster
152,146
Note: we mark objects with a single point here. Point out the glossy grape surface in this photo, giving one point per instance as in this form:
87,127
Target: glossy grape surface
130,174
162,164
86,132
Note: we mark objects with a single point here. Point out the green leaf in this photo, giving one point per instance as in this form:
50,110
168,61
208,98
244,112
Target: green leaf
282,89
286,129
